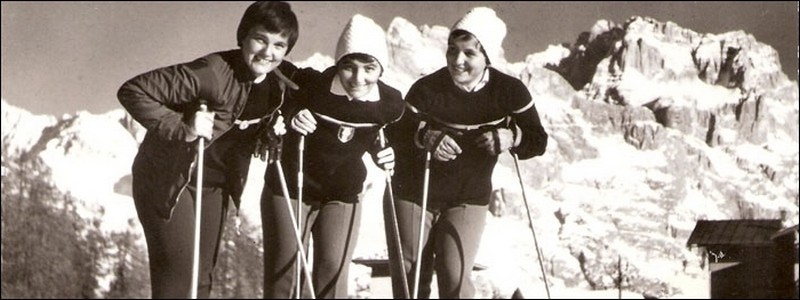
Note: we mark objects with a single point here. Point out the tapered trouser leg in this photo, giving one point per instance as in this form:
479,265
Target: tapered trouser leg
334,226
395,270
408,216
457,232
170,242
450,243
335,232
280,246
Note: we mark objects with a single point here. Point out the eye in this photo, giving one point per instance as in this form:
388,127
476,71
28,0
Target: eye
259,39
281,45
452,50
346,67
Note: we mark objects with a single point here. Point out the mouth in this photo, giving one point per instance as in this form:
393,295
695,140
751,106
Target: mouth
354,87
260,60
355,91
460,69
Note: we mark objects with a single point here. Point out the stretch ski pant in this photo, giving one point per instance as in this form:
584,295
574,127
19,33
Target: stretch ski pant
334,228
170,242
451,239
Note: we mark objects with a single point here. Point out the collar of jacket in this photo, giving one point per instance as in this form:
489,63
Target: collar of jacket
241,71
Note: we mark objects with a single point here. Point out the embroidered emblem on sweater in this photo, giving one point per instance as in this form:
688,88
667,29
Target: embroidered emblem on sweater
345,133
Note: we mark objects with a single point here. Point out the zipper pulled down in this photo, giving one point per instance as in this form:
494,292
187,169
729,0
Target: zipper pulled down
185,184
283,81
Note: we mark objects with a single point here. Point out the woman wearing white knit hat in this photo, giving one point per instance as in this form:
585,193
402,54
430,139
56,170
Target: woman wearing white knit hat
340,117
463,115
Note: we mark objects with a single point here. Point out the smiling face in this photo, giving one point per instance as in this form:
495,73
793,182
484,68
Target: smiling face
465,60
263,51
358,76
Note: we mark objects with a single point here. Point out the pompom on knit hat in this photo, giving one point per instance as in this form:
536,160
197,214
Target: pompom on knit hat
489,29
363,35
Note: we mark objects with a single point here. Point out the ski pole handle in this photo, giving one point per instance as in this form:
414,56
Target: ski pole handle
382,138
203,108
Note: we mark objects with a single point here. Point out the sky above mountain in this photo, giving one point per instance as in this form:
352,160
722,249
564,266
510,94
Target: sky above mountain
62,57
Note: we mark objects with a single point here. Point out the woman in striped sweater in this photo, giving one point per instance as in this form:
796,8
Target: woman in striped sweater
464,115
339,117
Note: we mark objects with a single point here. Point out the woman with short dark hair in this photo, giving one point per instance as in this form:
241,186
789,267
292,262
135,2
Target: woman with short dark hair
242,90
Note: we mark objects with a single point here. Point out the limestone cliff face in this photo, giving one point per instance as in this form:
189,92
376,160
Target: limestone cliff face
725,89
713,113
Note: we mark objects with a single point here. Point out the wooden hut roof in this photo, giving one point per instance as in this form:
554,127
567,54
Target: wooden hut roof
785,231
733,232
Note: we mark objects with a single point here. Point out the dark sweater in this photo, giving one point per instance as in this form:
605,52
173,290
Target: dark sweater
162,100
468,178
333,166
230,154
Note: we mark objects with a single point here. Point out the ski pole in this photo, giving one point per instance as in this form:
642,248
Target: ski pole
422,220
296,229
395,226
300,148
530,220
198,208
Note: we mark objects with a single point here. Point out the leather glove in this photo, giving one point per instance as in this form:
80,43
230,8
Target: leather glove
261,149
496,141
269,140
274,147
441,145
304,122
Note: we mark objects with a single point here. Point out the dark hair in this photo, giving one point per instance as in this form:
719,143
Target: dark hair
463,35
362,57
275,16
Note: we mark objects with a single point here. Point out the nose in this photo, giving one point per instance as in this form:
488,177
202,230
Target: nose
267,51
359,76
460,58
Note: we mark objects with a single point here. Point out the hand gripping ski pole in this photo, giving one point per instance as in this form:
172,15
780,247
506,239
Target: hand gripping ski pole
198,208
530,221
425,182
395,226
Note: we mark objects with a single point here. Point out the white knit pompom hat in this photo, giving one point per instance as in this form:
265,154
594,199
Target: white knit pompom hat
490,30
363,35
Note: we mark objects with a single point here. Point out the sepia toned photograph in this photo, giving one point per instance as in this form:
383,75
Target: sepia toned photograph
404,150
